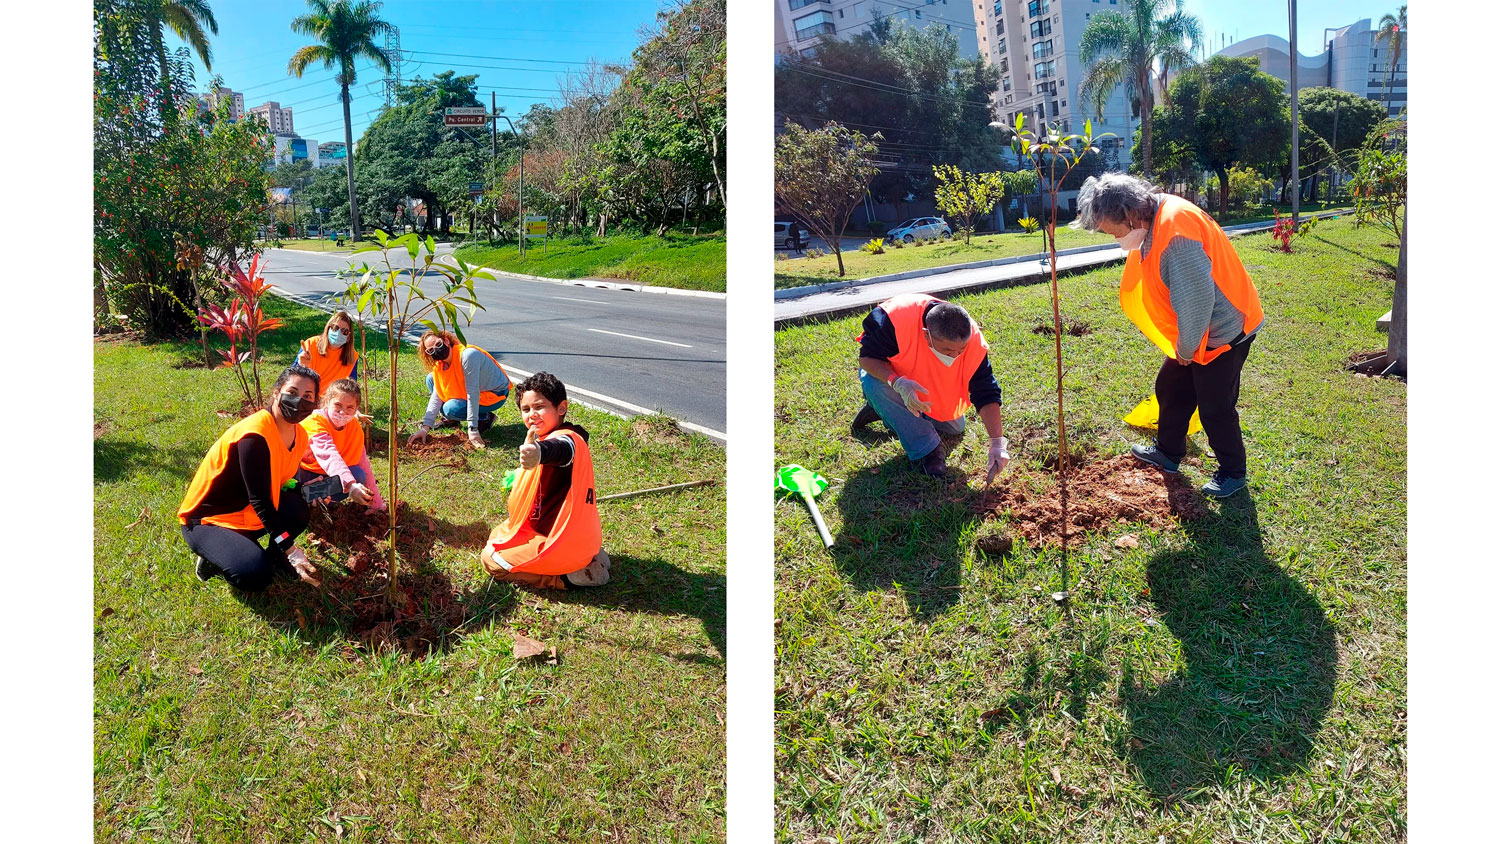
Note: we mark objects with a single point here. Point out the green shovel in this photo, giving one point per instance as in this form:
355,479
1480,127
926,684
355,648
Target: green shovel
806,483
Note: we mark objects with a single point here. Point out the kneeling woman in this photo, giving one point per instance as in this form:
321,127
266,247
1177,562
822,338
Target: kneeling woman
337,447
236,496
466,384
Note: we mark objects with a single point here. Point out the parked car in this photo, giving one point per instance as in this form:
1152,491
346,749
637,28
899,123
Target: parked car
927,227
789,236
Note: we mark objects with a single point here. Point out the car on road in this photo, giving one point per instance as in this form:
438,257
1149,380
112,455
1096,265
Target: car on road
930,228
789,236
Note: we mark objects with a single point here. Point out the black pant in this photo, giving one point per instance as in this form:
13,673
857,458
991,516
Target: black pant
1214,390
237,553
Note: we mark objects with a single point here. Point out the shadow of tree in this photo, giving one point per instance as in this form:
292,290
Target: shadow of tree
902,529
1260,658
116,460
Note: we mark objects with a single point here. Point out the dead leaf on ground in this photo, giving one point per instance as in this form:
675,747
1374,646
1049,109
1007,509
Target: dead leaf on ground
526,647
1129,540
194,670
106,613
1135,744
1056,775
1073,791
301,620
145,511
989,714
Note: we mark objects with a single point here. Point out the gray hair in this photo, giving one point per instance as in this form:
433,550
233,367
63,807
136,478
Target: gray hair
948,322
1114,198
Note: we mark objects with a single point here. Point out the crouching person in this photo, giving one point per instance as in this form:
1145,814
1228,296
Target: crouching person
551,538
336,443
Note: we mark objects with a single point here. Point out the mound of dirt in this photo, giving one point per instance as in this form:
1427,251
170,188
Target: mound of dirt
436,445
428,606
1071,327
657,429
1100,494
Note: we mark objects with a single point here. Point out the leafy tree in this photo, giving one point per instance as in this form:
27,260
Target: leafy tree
821,175
682,69
186,18
1125,48
1020,184
345,30
296,175
1339,119
1227,111
1392,33
966,197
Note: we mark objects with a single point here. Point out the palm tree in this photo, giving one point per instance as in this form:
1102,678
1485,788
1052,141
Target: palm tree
1392,34
1125,48
186,18
345,31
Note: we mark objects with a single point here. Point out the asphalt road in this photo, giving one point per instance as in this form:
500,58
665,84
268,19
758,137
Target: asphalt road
624,351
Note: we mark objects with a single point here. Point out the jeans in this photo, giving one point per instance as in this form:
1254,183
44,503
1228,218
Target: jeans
458,409
305,475
1214,390
919,435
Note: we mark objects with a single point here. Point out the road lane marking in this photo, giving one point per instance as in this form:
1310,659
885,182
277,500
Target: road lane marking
590,301
636,337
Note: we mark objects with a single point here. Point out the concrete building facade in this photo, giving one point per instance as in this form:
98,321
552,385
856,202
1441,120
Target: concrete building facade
235,99
1351,61
801,23
277,118
330,154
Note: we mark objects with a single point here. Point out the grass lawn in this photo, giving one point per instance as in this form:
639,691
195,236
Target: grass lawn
676,260
1241,678
227,718
314,245
797,272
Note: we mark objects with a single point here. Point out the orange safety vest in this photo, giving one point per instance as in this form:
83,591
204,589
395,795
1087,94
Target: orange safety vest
330,367
449,382
283,468
1148,302
947,386
350,441
576,535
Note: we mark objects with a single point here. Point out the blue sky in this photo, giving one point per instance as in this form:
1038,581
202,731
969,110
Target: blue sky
519,48
1242,19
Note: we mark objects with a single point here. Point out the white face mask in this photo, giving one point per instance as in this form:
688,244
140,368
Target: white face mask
340,419
947,361
1132,240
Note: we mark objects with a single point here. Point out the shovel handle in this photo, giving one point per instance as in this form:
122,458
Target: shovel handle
818,520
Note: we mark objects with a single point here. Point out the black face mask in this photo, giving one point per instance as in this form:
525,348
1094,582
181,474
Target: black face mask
439,352
294,409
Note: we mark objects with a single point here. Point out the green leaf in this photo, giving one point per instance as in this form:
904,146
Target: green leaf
431,326
368,247
459,333
1088,128
431,244
364,300
381,237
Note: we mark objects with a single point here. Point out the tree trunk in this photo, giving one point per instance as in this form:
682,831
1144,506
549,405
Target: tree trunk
1395,350
349,164
1223,173
168,107
1144,86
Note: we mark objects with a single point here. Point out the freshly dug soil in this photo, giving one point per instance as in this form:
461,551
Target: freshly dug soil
1071,327
246,408
1101,493
1368,363
429,607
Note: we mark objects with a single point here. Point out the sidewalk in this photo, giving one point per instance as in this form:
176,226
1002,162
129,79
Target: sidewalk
801,304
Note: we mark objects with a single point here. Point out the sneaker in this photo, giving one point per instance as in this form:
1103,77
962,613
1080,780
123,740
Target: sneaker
863,418
1223,486
486,421
1150,454
596,573
933,463
204,569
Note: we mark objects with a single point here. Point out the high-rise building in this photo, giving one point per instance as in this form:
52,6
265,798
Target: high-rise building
277,118
330,153
801,23
235,99
1351,60
1034,44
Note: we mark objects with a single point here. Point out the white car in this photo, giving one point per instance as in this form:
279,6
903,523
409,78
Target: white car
930,228
788,236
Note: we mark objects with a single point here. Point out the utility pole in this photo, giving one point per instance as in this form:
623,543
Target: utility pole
495,118
1296,173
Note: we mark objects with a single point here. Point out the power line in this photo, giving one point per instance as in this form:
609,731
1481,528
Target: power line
496,58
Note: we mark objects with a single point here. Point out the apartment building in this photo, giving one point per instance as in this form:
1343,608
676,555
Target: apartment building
235,99
1351,60
801,23
277,118
1034,43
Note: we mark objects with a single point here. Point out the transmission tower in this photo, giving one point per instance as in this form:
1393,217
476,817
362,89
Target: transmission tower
393,79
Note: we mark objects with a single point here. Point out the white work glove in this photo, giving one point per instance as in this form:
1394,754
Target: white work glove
908,390
420,435
475,440
359,493
999,457
531,453
306,571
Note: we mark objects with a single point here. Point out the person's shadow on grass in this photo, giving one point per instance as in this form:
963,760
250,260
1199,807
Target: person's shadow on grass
1260,658
645,584
904,530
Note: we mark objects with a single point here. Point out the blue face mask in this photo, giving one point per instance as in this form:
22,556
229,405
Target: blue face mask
337,337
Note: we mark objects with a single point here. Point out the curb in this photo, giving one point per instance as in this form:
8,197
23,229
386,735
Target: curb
604,285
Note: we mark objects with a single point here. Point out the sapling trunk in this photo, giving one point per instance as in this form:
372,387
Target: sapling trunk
393,340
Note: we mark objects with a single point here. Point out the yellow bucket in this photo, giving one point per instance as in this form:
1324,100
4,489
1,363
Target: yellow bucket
1148,412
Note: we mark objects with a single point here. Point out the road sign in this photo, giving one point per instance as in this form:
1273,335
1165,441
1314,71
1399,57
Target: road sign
465,116
476,188
535,227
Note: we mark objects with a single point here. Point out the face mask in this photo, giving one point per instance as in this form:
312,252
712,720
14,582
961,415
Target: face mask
340,419
439,352
947,361
1132,240
293,408
337,337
